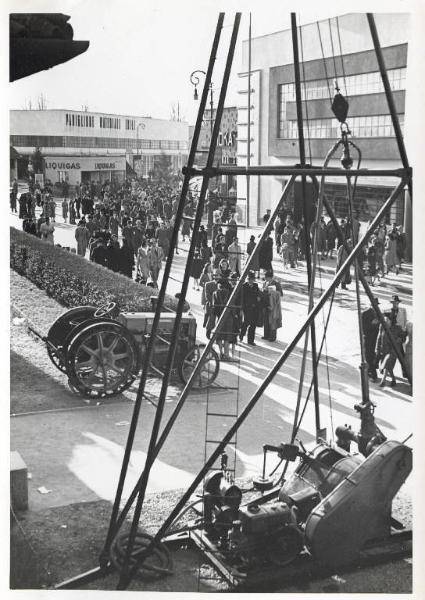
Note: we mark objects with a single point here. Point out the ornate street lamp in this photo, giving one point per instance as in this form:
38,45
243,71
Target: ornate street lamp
194,80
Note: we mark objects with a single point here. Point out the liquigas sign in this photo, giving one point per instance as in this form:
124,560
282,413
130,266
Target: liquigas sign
98,163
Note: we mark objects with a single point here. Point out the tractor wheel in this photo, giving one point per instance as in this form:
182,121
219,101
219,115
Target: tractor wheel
208,371
102,359
60,330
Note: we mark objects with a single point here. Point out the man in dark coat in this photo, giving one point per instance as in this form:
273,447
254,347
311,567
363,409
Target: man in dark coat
370,324
99,254
126,262
251,303
265,254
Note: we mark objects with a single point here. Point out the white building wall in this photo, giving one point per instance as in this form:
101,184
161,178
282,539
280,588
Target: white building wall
53,122
275,49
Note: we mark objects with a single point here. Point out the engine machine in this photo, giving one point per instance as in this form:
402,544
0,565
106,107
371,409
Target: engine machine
331,507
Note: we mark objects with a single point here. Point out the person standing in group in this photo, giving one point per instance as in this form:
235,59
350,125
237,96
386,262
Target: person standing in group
155,256
400,314
225,332
126,259
385,350
186,226
77,205
272,311
390,254
82,235
72,213
370,326
251,304
235,253
196,269
64,210
287,245
330,238
341,257
142,263
255,264
47,230
265,256
209,289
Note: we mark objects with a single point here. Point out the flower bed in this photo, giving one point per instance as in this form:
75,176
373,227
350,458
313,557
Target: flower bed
72,280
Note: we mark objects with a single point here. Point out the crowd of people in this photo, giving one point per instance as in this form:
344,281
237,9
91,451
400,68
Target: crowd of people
141,214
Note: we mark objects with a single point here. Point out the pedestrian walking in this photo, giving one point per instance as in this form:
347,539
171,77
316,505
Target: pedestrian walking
47,230
142,263
82,235
64,210
234,254
155,256
251,303
255,264
126,259
370,326
265,254
385,350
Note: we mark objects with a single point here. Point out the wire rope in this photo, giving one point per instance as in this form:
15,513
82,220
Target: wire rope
342,57
324,62
333,56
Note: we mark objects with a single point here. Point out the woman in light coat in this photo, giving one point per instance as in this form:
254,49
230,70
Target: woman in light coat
142,265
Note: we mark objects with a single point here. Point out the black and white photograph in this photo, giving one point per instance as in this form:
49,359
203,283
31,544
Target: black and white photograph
210,286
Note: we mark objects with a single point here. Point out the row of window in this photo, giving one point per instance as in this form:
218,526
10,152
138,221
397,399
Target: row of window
57,141
130,124
110,123
351,85
72,120
362,127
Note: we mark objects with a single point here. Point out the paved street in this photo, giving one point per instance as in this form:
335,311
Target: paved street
65,449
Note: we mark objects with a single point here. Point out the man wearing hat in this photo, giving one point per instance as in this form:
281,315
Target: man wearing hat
399,312
251,304
370,324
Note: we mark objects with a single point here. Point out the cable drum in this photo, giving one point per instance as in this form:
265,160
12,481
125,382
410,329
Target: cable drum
154,566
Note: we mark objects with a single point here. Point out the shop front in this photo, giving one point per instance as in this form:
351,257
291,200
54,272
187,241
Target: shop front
84,169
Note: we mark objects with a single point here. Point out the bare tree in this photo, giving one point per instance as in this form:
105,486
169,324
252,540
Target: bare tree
41,102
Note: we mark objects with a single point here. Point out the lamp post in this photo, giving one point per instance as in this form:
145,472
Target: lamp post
194,80
142,125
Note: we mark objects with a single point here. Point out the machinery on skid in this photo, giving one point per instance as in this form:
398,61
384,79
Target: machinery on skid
101,350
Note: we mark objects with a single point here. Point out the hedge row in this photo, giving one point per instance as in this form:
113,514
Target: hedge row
73,280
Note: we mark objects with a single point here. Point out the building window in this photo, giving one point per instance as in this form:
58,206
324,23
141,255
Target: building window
130,124
84,120
62,175
361,127
110,123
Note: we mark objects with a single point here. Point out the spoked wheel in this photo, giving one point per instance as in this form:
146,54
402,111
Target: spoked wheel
208,371
102,360
61,329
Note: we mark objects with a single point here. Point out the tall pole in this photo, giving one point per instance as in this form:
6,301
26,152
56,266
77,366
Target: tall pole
248,150
301,144
129,569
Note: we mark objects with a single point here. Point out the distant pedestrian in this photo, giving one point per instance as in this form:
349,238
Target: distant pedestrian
142,263
386,351
255,264
251,303
126,259
64,210
370,326
47,230
82,235
155,256
266,254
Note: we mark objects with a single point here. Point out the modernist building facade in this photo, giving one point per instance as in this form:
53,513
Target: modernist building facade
338,49
85,146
